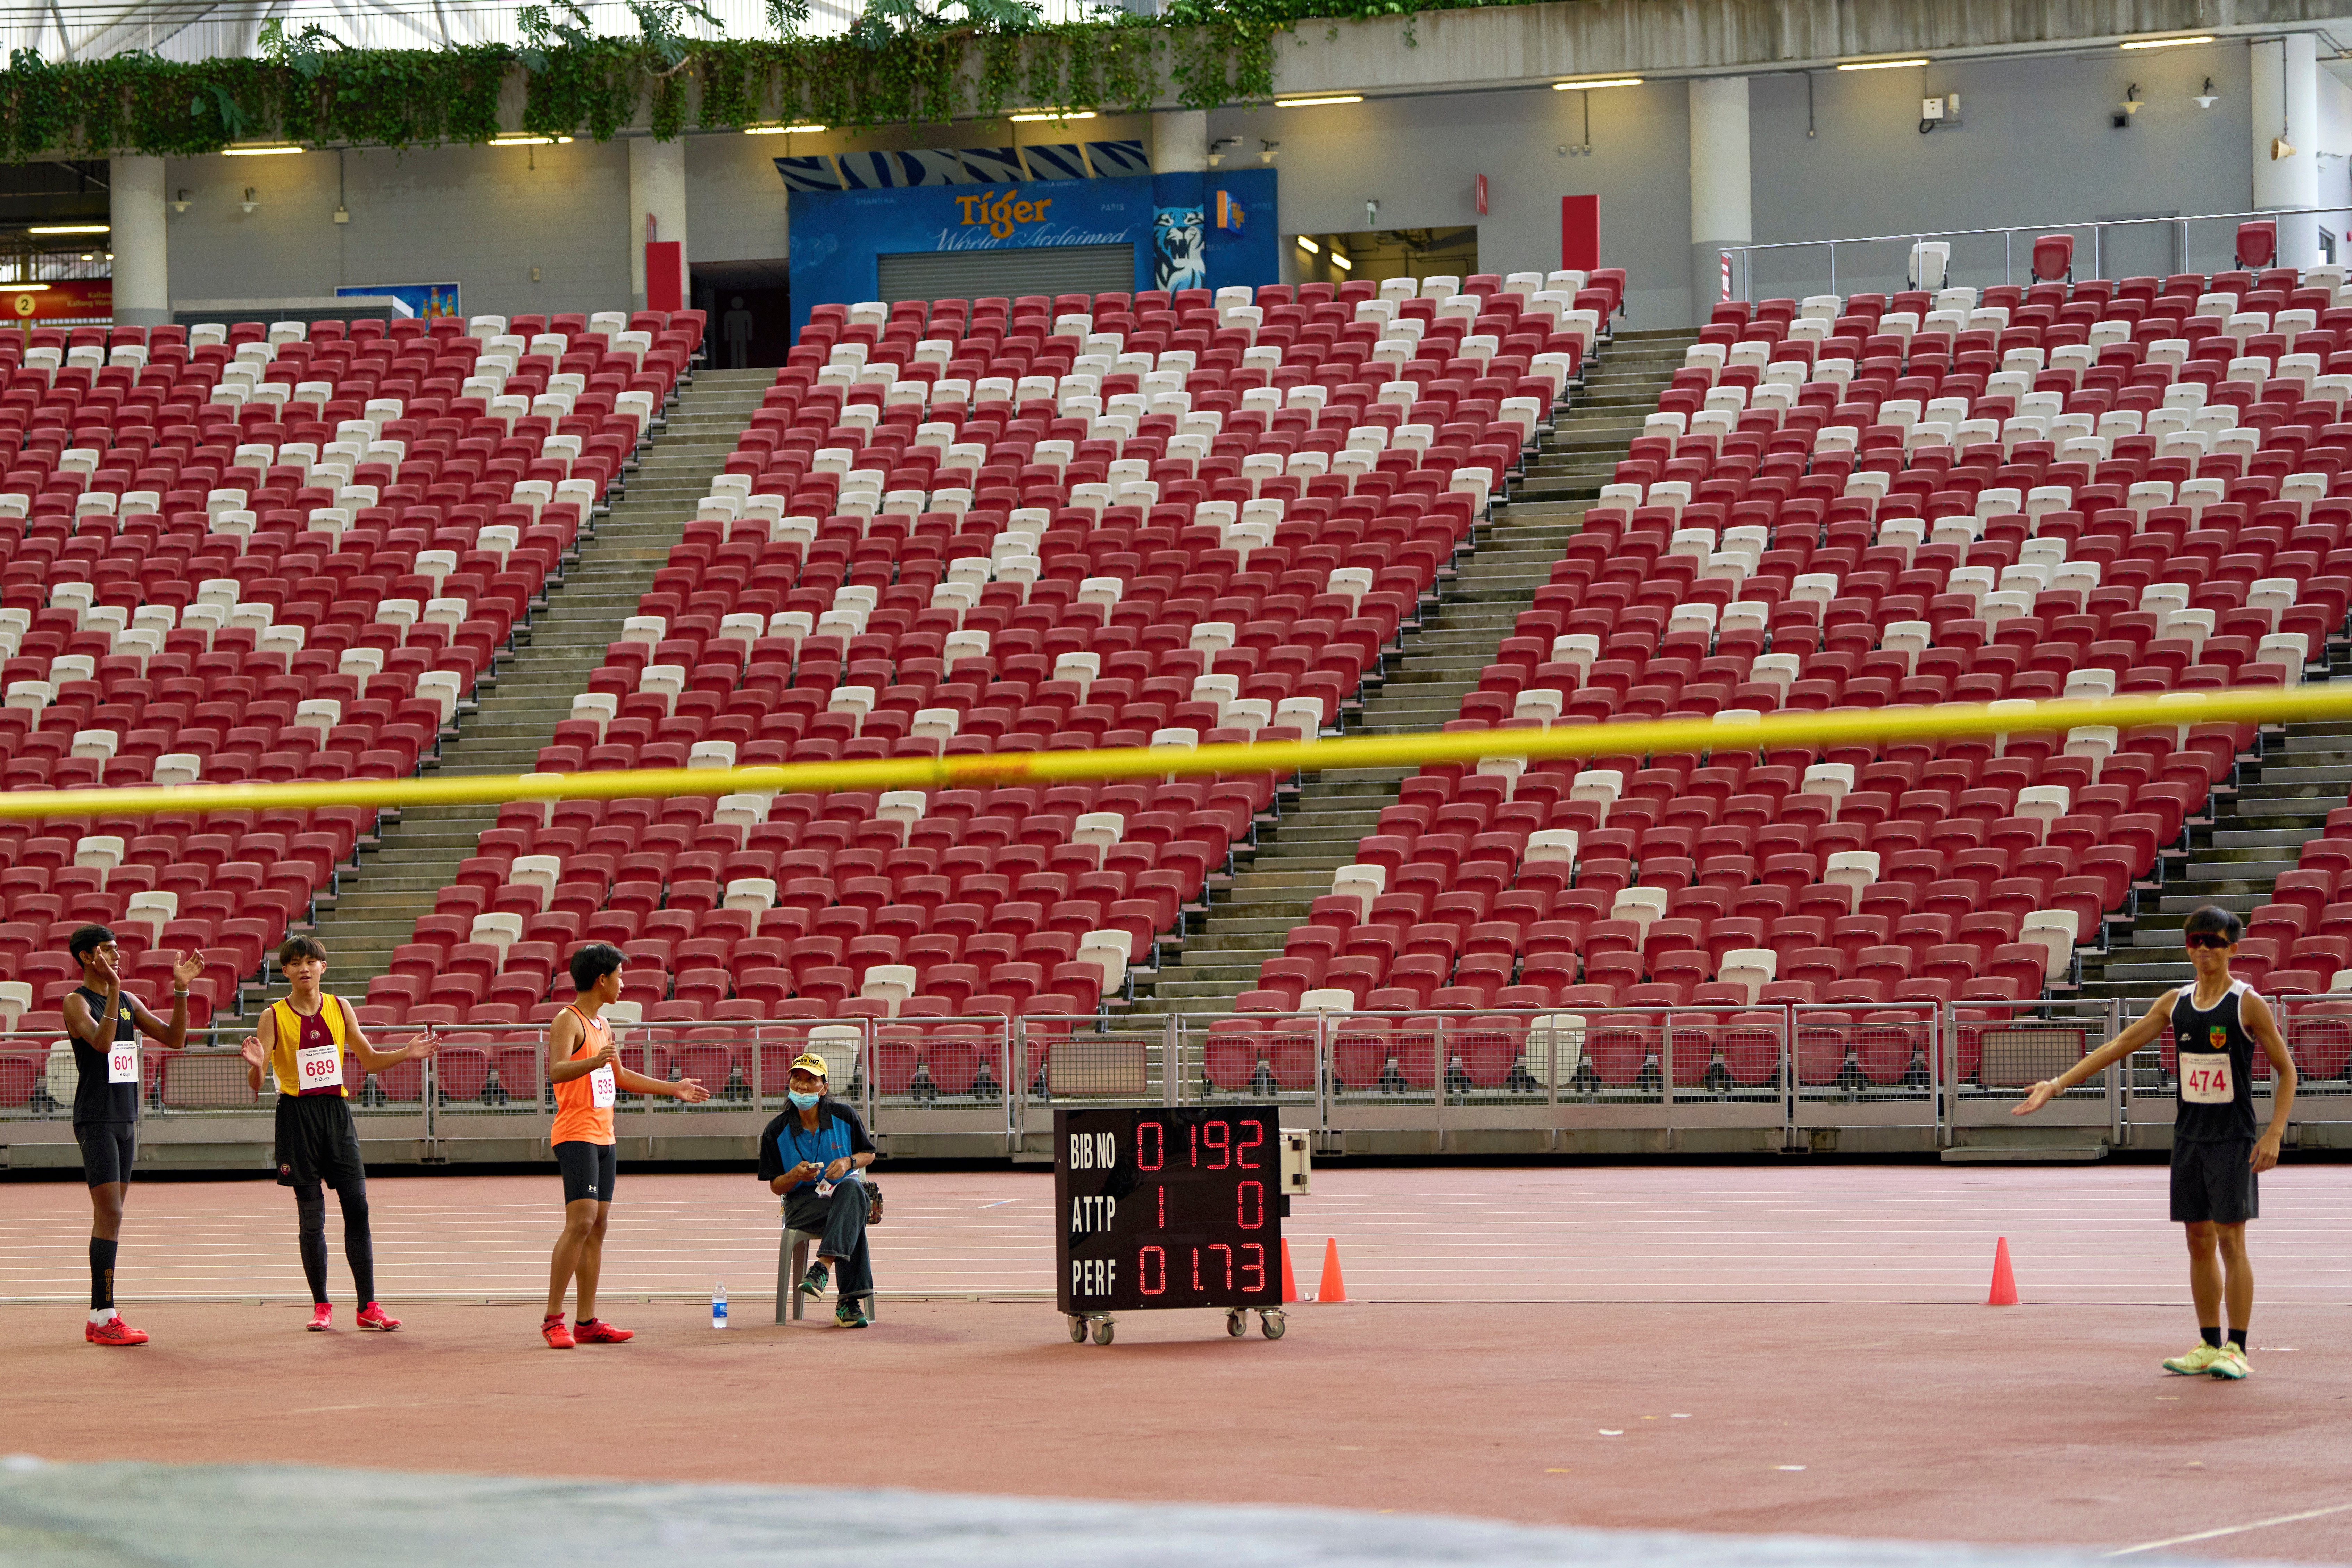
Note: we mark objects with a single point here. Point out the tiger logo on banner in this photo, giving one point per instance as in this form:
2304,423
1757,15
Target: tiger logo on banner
1178,248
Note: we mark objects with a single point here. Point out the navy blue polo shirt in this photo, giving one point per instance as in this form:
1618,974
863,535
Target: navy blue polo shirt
785,1142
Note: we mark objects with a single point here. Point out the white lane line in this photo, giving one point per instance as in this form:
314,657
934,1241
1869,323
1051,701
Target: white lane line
2233,1530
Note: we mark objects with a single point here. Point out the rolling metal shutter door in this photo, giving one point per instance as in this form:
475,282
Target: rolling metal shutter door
1037,269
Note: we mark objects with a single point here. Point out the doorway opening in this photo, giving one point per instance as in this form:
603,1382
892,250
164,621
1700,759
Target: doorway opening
1376,254
748,312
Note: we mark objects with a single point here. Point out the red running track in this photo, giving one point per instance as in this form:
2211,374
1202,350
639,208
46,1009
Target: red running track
1726,1348
1831,1233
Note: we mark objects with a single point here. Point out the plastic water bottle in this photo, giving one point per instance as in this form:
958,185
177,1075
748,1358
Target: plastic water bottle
719,1306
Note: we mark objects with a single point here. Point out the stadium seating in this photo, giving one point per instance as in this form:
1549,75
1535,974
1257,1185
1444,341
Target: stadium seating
2299,943
1968,496
1003,525
250,552
2297,950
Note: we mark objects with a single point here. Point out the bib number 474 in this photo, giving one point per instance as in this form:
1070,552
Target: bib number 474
2207,1081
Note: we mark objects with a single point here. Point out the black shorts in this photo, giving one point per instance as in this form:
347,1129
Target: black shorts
588,1169
108,1147
317,1142
2214,1181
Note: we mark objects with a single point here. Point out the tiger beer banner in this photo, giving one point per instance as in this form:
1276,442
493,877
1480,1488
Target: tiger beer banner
1188,230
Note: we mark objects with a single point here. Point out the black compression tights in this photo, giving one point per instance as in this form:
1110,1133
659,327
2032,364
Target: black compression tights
359,1247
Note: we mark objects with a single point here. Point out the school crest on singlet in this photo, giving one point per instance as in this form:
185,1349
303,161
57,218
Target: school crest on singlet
2215,1064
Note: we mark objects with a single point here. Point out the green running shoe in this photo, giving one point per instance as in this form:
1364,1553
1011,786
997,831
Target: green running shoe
2196,1361
2231,1362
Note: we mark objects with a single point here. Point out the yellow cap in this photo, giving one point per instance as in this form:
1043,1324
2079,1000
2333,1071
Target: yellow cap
809,1062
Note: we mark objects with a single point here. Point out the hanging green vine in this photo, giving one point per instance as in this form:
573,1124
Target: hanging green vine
902,64
138,103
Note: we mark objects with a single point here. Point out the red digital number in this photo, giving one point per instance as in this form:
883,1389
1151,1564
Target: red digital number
1157,1144
1256,1140
1256,1268
1242,1205
1196,1268
1221,1246
1143,1260
1164,1205
1219,1137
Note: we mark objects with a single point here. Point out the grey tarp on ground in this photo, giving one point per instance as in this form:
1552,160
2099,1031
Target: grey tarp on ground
159,1516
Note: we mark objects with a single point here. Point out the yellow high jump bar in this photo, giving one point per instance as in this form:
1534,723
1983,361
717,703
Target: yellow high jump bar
2263,704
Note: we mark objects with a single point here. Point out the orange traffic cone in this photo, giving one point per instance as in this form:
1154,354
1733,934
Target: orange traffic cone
1290,1281
2004,1282
1333,1288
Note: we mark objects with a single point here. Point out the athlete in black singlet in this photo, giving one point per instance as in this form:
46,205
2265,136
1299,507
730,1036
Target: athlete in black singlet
105,1026
2213,1027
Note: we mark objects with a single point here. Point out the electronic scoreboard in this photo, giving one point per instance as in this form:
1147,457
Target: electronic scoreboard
1168,1207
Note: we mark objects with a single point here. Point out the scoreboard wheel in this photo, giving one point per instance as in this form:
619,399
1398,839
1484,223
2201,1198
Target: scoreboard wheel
1270,1324
1237,1323
1077,1331
1103,1331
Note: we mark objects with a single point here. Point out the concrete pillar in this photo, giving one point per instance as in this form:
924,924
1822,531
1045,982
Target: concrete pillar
2285,110
1718,183
143,288
1179,142
656,190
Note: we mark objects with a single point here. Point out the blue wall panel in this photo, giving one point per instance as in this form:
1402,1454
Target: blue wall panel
1171,219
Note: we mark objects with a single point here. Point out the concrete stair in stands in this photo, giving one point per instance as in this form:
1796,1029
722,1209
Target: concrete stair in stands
518,709
1424,687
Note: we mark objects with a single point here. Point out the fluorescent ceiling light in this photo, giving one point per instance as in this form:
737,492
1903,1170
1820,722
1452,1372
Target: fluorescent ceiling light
1607,81
257,151
71,229
777,130
521,140
1311,102
1309,247
1047,114
1342,263
2167,43
24,288
1878,65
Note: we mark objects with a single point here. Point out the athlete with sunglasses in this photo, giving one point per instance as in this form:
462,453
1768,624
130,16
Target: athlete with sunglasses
2215,1025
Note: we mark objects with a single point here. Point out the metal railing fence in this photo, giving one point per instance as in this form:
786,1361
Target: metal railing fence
1797,265
1799,1068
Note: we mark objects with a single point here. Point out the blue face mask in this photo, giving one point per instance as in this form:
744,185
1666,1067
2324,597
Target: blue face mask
803,1101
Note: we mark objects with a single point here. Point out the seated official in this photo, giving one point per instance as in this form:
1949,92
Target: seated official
814,1156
